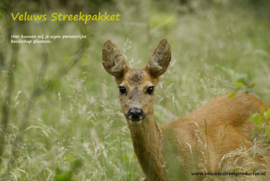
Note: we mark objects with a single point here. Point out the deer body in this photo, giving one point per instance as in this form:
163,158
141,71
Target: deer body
209,132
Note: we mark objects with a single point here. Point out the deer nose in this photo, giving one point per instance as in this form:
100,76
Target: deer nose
135,114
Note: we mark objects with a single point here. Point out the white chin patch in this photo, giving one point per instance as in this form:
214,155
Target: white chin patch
135,122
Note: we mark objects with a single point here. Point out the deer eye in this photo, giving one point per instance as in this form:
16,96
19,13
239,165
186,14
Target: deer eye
150,90
122,90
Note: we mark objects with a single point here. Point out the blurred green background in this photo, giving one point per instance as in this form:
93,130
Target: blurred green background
60,113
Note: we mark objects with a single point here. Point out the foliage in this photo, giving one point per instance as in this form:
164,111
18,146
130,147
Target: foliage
61,175
262,125
239,81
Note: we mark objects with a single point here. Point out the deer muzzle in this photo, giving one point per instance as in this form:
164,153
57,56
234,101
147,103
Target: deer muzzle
135,115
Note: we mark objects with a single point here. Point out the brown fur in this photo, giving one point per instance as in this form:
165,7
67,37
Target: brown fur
209,132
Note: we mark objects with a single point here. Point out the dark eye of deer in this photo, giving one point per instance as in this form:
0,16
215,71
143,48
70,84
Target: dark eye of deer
150,90
122,90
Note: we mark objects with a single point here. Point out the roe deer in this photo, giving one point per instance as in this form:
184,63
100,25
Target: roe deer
222,123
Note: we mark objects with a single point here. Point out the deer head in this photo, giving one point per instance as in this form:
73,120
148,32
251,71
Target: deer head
136,85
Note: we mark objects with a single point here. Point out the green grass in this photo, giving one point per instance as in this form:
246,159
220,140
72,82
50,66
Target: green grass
79,116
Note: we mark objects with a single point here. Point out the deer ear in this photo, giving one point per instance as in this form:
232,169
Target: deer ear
159,59
113,60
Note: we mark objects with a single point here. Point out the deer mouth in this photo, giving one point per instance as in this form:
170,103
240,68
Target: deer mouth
135,120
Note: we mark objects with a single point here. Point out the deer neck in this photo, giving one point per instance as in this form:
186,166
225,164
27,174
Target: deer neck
147,140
